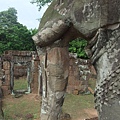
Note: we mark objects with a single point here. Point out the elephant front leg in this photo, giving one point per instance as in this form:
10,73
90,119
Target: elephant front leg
55,77
52,103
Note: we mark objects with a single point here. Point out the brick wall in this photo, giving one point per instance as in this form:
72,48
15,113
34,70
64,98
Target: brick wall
80,72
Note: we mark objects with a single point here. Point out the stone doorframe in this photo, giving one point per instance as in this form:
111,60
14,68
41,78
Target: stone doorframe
29,75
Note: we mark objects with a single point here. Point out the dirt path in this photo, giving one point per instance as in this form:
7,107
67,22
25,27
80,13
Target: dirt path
87,114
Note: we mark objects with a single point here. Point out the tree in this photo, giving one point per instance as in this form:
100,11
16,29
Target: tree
41,3
13,35
77,46
8,18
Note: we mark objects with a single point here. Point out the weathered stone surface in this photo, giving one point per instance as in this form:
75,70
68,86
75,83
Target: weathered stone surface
106,60
35,83
54,78
57,84
58,63
80,72
51,34
96,19
6,65
86,16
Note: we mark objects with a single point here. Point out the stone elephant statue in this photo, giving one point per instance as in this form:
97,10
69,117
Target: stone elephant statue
98,21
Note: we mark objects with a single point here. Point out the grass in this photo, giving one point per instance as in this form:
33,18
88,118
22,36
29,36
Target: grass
73,104
22,108
19,108
20,84
27,105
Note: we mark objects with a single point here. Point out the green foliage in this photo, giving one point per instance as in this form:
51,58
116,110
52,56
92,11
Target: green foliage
41,3
8,18
13,35
77,46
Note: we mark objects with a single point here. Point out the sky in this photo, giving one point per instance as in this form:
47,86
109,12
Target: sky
27,13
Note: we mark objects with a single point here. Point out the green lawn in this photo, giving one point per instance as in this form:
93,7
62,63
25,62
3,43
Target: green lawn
21,108
25,106
20,84
74,104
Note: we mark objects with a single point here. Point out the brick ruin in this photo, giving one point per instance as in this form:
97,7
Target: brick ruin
80,73
16,65
25,64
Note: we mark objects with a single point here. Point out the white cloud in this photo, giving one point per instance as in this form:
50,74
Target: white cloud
27,13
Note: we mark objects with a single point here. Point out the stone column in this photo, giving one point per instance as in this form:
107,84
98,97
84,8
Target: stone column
39,81
54,64
105,47
35,82
29,76
12,76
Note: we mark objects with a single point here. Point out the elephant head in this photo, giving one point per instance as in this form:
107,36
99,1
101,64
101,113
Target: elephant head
98,22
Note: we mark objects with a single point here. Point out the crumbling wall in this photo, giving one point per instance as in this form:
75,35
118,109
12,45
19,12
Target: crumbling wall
81,72
22,62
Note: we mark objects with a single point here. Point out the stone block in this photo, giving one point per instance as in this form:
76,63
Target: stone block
76,73
71,80
6,65
55,70
7,77
71,62
6,83
75,92
92,69
71,72
36,63
69,89
58,57
6,90
57,84
7,72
